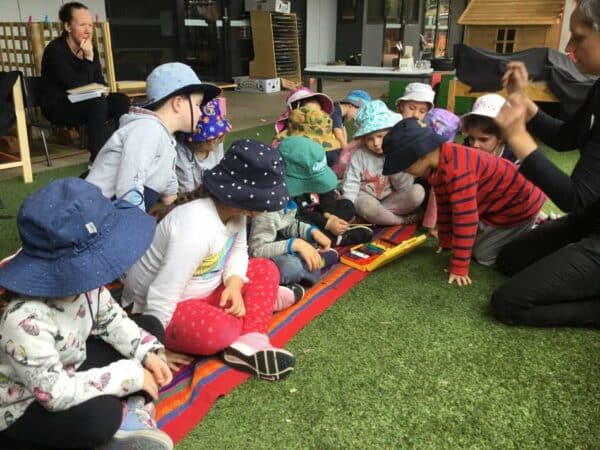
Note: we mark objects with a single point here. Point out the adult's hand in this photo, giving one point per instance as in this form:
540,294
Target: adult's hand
512,122
87,48
516,80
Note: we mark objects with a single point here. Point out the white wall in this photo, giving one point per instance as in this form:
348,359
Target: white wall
564,33
20,10
321,19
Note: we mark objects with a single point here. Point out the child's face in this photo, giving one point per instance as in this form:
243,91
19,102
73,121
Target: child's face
196,112
483,141
374,141
410,108
351,111
419,167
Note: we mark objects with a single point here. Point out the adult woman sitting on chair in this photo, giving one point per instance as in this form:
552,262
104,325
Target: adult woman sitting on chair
70,61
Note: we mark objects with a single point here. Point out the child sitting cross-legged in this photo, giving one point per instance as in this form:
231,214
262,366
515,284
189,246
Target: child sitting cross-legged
311,183
196,277
202,150
380,199
75,371
483,202
281,236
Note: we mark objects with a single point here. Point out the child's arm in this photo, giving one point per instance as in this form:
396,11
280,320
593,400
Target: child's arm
183,255
462,197
117,329
264,232
353,176
137,158
341,135
401,181
237,260
31,350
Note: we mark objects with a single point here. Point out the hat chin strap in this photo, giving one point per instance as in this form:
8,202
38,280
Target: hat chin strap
191,113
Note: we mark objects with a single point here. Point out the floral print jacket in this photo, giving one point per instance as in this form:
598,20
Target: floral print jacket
43,343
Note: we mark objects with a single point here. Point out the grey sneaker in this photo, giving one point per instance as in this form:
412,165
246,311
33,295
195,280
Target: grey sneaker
138,430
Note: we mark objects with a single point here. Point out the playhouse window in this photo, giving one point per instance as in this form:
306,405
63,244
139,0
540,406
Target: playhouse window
505,40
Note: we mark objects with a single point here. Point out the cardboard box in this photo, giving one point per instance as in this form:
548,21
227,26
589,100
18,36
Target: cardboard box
263,85
280,6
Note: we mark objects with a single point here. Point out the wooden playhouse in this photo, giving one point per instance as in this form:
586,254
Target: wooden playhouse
507,26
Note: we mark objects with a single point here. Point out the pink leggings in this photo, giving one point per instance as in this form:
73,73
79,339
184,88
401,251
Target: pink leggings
202,327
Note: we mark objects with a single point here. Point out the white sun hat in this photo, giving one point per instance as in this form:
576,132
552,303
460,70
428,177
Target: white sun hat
418,92
488,105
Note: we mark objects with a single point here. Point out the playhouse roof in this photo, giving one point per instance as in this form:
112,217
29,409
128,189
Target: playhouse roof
512,12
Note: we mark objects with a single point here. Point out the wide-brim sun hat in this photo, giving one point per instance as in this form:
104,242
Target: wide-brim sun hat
250,177
171,79
304,93
74,240
212,124
418,92
305,166
406,142
488,105
375,116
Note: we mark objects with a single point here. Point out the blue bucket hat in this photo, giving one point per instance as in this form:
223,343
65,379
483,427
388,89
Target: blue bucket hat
375,116
406,142
250,176
74,240
170,79
212,124
357,98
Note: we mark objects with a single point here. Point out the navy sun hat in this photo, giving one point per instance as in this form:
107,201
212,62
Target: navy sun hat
74,240
170,79
250,176
406,142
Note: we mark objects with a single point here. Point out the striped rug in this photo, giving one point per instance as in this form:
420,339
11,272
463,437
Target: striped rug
195,388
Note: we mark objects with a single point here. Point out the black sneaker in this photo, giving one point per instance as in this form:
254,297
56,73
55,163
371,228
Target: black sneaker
357,235
298,291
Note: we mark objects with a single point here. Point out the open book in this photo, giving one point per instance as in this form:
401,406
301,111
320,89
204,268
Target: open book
86,92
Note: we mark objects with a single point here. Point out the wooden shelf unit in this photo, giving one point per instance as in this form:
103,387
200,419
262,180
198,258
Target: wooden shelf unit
276,47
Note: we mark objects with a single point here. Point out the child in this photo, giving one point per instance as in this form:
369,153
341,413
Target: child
481,128
279,235
201,150
196,277
347,109
380,199
312,185
309,115
68,351
140,155
443,122
416,101
483,201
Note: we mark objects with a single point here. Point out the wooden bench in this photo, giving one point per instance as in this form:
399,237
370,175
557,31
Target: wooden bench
537,91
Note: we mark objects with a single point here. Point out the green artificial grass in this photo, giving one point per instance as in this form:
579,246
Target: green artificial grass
405,360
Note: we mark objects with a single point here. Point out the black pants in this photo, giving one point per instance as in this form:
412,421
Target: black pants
93,113
555,278
345,210
86,425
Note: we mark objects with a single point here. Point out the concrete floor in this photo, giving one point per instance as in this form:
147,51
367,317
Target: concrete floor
244,110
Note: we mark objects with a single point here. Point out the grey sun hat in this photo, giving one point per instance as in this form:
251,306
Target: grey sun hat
170,79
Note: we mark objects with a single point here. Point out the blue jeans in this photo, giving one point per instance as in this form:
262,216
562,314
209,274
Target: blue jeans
292,269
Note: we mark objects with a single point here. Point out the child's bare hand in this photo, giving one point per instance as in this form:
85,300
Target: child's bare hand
159,369
320,238
176,361
336,225
150,385
233,295
308,253
461,280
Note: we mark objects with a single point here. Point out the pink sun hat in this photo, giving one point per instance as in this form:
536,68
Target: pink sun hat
303,93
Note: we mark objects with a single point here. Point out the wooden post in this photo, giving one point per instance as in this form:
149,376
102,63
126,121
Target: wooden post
37,45
451,95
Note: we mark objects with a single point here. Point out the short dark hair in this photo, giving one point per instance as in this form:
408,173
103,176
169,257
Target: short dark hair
65,13
484,123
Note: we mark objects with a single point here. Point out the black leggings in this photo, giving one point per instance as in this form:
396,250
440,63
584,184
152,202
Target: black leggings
93,113
86,425
555,278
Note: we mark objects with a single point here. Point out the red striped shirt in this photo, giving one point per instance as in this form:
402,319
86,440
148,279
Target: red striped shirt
471,186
